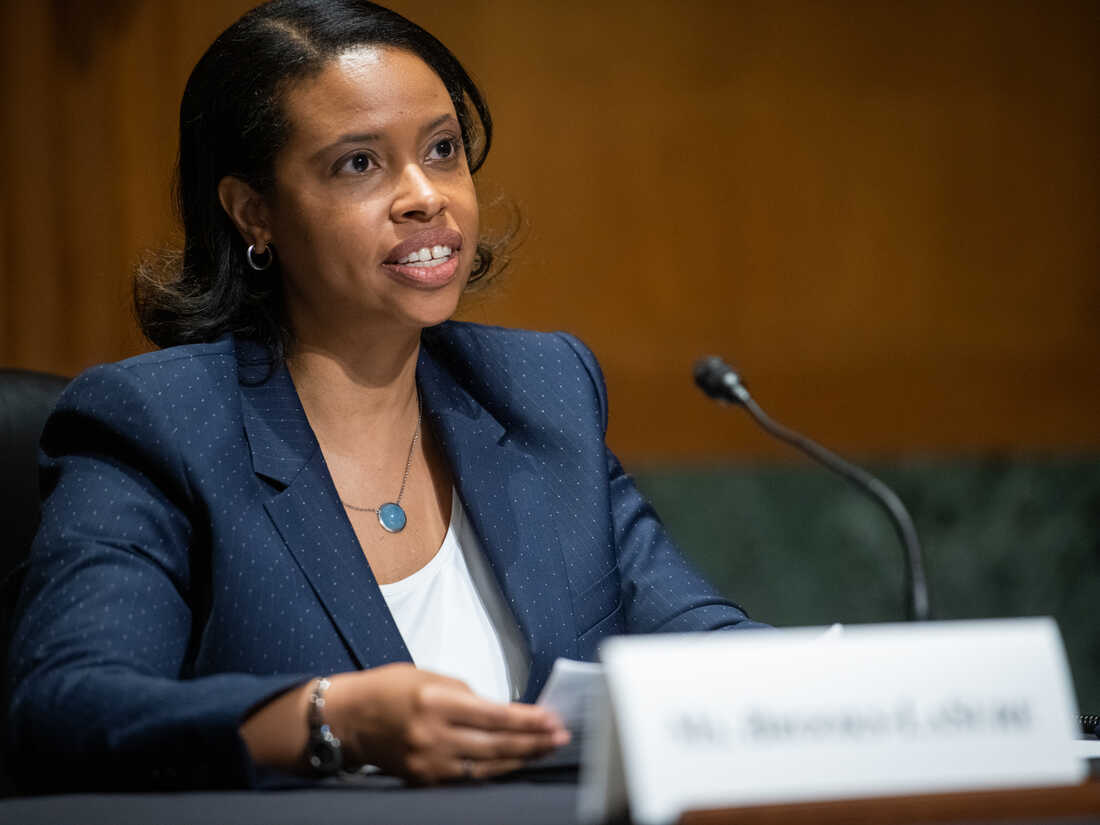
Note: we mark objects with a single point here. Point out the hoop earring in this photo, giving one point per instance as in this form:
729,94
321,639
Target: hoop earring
264,262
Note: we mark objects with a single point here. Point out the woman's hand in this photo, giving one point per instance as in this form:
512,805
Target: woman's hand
409,722
430,728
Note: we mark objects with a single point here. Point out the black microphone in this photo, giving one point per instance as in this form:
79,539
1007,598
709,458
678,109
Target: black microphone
720,381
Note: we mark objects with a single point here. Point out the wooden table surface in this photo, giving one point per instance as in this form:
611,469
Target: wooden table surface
1039,804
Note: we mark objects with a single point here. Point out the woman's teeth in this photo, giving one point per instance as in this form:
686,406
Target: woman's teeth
426,257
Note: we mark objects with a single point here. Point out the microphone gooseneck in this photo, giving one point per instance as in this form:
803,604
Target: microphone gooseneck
721,382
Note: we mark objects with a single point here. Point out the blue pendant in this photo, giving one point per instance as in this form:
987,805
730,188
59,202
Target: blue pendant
391,517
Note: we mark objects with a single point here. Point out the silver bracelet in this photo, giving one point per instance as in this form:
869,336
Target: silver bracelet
323,748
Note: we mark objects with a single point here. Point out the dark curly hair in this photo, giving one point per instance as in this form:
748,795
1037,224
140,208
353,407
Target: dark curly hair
232,123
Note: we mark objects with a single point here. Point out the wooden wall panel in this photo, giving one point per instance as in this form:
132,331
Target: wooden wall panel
886,213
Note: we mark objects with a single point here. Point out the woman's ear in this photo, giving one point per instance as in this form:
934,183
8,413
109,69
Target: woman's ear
247,209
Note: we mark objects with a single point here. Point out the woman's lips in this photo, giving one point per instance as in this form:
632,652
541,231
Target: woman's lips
436,272
426,259
425,239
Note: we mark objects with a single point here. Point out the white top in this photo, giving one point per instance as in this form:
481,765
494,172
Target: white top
454,620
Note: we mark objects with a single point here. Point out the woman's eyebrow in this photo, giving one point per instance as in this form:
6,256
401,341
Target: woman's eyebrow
351,137
439,121
370,137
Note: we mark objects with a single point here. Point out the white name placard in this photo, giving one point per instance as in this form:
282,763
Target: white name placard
723,719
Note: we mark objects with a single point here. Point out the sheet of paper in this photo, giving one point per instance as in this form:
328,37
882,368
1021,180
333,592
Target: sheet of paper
568,692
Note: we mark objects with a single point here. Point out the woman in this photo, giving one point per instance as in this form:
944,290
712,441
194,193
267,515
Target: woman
319,475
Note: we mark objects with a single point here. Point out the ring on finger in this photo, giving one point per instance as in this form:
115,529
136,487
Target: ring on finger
467,769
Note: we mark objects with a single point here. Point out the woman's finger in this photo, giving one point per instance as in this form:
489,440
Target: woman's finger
471,710
489,745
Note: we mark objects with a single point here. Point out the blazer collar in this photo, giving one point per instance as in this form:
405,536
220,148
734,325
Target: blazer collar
282,442
278,431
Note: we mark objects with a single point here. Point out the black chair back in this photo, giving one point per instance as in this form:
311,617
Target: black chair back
26,399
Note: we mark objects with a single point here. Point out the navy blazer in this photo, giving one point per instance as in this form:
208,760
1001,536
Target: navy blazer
194,559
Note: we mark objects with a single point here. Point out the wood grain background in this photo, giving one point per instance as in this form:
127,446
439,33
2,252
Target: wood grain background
886,213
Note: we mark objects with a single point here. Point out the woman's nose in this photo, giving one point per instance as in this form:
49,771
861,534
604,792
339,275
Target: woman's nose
417,197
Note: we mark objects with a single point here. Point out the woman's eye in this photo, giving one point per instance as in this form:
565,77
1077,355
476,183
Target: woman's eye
444,149
357,163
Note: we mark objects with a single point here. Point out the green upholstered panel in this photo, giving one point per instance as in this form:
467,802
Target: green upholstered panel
795,545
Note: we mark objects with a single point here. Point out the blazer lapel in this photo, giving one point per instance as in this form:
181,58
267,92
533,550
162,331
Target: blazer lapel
307,512
509,507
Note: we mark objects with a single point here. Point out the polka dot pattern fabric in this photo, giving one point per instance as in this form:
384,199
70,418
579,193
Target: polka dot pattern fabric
194,559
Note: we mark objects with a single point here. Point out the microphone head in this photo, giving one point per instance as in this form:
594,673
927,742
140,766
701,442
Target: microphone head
719,380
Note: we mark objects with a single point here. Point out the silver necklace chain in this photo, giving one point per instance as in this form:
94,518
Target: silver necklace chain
408,464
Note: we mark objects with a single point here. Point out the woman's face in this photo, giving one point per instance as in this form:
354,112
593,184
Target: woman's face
373,216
